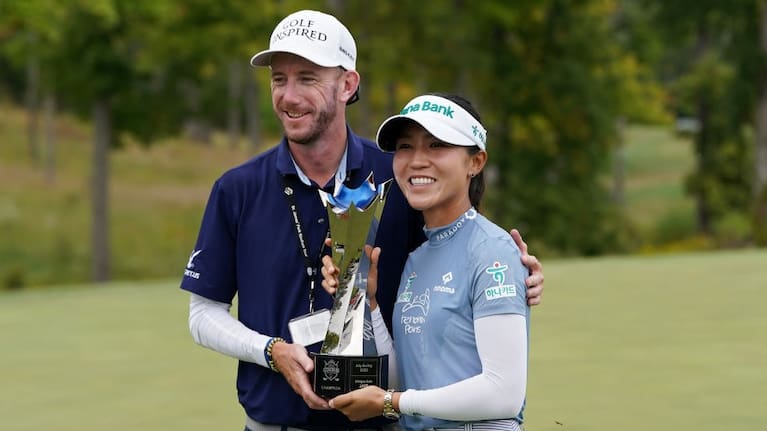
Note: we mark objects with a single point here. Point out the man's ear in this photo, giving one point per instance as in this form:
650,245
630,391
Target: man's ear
350,85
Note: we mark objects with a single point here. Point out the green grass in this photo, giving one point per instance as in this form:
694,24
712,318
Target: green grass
116,357
664,343
625,343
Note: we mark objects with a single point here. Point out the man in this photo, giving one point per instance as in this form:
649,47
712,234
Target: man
263,231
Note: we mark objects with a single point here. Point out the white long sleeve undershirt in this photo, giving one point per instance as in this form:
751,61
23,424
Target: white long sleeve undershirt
498,392
213,327
385,346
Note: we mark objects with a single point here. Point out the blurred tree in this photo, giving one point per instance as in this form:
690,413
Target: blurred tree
29,31
713,64
31,96
201,50
760,159
553,90
96,69
641,100
550,83
386,57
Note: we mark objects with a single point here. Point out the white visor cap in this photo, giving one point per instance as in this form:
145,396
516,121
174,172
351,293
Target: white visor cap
315,36
443,118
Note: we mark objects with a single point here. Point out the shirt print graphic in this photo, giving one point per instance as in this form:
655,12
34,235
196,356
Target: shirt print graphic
415,308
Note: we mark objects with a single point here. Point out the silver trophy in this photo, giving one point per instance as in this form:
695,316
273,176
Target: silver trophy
347,359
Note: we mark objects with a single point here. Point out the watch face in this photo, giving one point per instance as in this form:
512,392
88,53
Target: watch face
391,415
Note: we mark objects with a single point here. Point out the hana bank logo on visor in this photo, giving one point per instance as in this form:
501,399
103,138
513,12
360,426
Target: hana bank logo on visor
427,105
443,118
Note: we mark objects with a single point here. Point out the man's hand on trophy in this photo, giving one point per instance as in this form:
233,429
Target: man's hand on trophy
330,274
329,271
373,254
294,363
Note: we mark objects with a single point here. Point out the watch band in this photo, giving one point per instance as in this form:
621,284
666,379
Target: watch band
388,406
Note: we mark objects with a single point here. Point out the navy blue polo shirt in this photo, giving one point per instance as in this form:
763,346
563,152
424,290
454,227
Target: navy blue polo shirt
247,245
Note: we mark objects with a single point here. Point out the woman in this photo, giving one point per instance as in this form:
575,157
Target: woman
460,324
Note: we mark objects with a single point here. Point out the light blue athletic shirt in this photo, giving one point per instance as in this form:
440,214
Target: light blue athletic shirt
468,269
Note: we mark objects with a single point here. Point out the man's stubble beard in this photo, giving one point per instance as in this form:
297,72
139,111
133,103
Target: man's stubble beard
326,117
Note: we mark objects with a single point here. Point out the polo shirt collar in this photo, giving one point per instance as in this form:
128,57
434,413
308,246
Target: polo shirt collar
340,173
351,159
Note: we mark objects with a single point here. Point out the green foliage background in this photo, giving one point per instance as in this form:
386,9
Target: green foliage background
159,193
550,80
557,82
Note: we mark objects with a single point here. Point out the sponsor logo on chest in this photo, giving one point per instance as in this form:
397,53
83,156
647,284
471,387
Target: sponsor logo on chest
446,278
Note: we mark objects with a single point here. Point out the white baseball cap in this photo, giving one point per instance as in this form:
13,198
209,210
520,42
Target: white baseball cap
443,118
315,36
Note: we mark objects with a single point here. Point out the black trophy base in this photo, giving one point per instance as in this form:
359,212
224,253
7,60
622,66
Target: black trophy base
335,375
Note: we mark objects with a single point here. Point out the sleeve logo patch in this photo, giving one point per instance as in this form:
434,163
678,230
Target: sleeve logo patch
498,292
190,265
498,271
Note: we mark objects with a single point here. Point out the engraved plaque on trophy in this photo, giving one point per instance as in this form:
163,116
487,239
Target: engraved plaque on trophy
347,359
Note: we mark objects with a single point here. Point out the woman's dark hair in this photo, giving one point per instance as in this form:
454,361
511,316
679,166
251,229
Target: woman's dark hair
477,183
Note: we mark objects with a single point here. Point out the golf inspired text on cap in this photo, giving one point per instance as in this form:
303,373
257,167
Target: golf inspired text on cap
443,118
315,36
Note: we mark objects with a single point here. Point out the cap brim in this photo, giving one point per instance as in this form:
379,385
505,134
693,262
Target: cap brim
389,130
391,127
264,58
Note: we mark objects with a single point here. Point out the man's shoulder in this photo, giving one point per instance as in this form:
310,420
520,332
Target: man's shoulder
370,148
254,169
379,161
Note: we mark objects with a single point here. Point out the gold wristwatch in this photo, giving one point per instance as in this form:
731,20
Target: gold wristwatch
388,410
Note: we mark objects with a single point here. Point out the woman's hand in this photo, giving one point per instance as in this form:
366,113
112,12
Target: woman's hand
360,404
